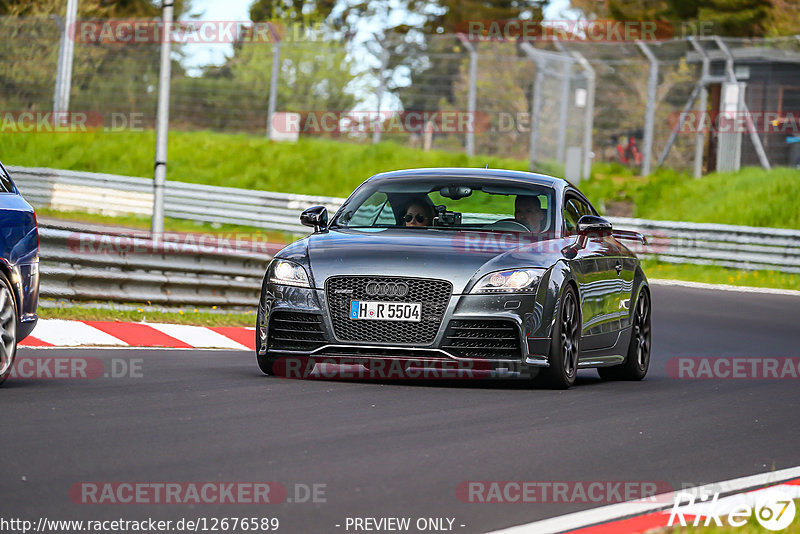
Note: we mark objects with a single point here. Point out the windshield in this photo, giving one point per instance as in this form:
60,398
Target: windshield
450,204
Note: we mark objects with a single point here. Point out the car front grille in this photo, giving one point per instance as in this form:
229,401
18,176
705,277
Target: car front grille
481,339
433,294
295,331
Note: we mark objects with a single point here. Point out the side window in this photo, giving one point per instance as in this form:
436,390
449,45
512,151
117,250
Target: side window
375,210
5,182
574,209
571,216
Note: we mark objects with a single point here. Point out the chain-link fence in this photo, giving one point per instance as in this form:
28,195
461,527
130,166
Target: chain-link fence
542,100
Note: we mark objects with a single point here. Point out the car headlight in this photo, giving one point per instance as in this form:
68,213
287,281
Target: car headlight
512,281
288,273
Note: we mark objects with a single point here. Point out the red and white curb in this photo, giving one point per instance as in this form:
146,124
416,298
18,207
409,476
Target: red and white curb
652,514
63,333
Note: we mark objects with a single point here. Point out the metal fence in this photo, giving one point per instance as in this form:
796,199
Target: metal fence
741,247
612,101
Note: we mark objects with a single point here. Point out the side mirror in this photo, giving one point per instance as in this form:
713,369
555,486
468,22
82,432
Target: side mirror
316,217
592,224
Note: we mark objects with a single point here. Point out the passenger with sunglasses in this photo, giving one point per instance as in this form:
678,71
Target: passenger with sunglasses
418,213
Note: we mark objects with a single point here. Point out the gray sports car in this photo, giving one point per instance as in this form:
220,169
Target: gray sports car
498,270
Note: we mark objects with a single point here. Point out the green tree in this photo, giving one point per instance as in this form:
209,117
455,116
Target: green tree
299,11
99,9
313,75
105,76
423,45
732,18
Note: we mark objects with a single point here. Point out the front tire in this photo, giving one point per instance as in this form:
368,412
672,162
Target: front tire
565,344
637,361
8,329
265,362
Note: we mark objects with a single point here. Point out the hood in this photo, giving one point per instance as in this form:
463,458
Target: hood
426,253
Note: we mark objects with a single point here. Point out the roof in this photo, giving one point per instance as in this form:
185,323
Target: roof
472,172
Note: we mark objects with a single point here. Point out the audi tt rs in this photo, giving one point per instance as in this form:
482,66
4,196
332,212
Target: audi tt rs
494,269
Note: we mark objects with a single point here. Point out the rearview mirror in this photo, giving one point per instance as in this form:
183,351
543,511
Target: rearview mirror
455,192
592,224
316,217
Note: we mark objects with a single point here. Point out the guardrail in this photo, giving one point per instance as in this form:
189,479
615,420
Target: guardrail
79,263
112,194
740,247
743,247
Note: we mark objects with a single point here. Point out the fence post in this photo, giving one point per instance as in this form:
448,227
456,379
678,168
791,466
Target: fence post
536,111
562,112
471,92
754,138
589,117
378,124
162,123
540,60
700,137
64,71
650,109
273,79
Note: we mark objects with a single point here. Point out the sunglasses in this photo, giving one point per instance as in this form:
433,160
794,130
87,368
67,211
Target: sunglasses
418,217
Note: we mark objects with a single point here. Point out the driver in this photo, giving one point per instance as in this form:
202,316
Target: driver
528,210
418,213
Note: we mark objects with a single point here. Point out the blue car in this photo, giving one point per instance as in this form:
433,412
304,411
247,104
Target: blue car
19,271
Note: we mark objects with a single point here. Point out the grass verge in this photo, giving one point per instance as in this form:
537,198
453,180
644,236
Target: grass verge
145,314
712,274
310,166
752,196
749,197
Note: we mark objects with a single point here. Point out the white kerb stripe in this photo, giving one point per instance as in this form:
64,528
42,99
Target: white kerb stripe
65,333
611,512
198,336
724,287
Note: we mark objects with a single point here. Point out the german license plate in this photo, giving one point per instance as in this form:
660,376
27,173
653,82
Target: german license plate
385,311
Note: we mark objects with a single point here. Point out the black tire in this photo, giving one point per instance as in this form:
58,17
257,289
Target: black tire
565,344
637,361
265,362
8,329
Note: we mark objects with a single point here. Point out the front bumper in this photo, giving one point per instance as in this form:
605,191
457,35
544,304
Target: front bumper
523,312
25,282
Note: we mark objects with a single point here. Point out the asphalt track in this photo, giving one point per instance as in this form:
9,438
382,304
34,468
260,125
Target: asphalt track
400,449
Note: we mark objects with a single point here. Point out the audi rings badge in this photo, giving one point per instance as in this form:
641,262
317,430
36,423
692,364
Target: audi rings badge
375,288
